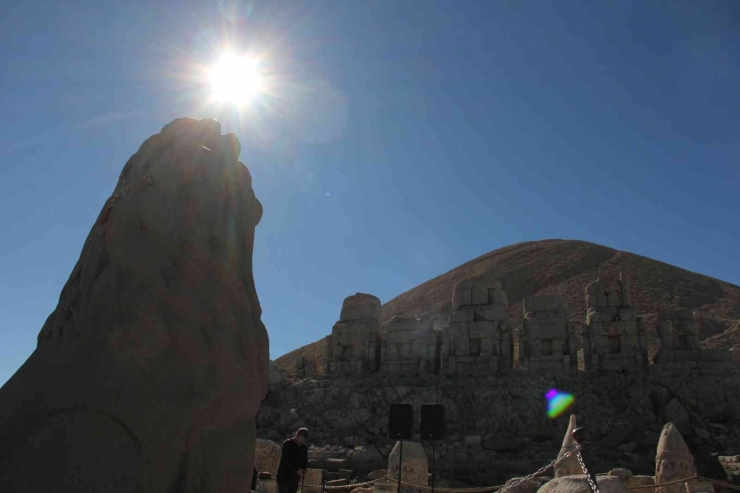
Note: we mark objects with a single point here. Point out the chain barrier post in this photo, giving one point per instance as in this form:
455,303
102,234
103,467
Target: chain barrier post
579,436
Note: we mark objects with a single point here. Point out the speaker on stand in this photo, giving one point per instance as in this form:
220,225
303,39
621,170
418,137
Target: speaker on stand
432,427
401,427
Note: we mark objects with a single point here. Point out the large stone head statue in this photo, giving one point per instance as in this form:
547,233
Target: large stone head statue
673,460
149,373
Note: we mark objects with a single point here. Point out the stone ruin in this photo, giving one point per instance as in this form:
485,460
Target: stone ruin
673,462
306,366
679,343
614,339
478,338
547,341
354,344
409,346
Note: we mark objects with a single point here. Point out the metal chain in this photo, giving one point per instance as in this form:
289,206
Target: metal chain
591,483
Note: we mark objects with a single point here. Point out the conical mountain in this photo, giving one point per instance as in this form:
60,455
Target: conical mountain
564,267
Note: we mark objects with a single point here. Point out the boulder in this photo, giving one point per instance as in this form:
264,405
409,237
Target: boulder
521,485
579,484
675,412
267,455
621,473
149,373
335,464
364,459
380,473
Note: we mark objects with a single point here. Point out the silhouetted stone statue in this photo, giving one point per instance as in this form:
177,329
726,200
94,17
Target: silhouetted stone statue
149,373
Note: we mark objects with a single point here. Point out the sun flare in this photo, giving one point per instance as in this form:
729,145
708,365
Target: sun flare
236,79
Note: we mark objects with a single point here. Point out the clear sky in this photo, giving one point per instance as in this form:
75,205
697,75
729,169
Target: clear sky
398,140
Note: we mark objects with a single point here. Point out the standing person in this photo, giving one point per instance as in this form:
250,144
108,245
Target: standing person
293,462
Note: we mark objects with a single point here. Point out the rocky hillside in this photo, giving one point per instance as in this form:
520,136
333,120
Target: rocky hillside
564,267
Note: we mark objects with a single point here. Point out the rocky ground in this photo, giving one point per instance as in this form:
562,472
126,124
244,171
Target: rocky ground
497,427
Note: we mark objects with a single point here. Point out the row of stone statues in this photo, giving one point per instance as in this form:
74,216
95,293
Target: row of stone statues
478,338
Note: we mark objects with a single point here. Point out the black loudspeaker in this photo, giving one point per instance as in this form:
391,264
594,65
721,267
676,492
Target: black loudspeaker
401,425
432,421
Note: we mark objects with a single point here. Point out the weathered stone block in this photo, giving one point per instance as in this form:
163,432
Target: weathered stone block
482,330
463,314
497,297
613,299
601,301
490,312
479,295
550,331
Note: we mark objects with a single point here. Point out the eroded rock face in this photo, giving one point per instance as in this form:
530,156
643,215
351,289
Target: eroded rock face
150,371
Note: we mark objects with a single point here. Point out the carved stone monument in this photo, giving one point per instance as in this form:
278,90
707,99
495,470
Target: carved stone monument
614,339
568,466
354,344
679,344
149,373
478,338
547,341
409,346
673,461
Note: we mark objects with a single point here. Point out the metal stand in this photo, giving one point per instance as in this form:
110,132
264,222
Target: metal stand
400,466
434,442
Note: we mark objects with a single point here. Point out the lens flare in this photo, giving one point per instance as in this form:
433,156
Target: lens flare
557,402
236,79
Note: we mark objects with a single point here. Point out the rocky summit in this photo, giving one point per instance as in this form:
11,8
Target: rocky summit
641,345
148,374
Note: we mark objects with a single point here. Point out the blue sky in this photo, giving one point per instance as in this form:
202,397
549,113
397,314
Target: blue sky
399,140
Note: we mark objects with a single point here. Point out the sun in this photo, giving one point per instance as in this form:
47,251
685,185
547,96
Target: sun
236,79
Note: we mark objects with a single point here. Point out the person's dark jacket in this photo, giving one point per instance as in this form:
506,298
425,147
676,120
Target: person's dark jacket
292,458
